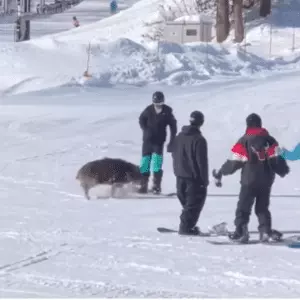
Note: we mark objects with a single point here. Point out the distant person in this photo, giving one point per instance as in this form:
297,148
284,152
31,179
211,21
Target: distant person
113,7
75,22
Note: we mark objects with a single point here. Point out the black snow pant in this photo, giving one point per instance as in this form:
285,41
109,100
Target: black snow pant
192,197
261,196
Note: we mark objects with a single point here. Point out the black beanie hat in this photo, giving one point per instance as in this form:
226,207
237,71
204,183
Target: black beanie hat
253,120
197,118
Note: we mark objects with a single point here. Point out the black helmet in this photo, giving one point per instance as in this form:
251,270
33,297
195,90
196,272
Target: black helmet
158,98
254,120
197,118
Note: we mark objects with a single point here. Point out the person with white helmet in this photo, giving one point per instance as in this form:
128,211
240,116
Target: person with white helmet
154,121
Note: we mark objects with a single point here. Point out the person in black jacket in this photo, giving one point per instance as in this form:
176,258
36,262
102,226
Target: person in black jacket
257,154
190,163
154,121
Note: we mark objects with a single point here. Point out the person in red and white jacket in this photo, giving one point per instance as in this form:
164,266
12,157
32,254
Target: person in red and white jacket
257,154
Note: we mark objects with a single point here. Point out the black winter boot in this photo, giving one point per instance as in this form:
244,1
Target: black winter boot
276,235
157,178
241,235
264,237
144,184
190,231
273,235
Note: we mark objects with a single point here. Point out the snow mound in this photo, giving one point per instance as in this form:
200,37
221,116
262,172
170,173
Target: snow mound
121,54
127,62
124,61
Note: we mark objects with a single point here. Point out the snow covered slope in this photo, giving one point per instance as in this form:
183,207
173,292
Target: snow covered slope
120,54
54,243
87,12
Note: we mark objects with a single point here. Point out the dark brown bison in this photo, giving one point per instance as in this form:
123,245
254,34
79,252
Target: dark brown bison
112,171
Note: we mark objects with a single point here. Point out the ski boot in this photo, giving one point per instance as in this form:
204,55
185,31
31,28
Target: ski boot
276,235
191,231
264,237
157,177
240,235
144,184
272,235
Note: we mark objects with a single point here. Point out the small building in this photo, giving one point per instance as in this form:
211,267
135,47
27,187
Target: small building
189,29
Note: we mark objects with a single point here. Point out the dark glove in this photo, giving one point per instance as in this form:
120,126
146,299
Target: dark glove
170,147
218,178
285,171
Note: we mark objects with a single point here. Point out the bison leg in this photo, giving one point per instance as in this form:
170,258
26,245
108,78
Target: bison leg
114,188
86,191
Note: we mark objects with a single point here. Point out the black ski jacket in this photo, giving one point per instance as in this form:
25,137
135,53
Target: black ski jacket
154,124
190,155
257,154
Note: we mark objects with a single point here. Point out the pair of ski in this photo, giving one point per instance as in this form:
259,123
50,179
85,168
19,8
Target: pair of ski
221,231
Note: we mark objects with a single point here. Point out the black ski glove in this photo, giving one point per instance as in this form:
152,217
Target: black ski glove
284,171
218,178
170,147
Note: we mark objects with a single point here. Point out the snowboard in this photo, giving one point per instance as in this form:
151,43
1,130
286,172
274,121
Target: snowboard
216,230
138,196
151,196
291,242
250,242
294,242
157,194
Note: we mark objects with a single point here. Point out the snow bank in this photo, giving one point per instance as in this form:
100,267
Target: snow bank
126,62
122,55
172,64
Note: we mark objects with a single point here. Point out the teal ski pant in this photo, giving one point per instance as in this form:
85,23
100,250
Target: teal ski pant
152,158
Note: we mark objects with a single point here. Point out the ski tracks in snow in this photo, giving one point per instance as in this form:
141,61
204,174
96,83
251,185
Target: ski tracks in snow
201,268
38,258
123,266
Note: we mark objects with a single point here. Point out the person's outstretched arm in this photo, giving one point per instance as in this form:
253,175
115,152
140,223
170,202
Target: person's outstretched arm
291,155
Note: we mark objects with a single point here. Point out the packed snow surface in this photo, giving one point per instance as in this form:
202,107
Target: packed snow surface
55,243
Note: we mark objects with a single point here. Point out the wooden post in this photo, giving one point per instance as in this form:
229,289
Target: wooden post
86,73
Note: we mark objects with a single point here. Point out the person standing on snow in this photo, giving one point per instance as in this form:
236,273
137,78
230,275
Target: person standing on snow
153,121
75,22
190,164
257,154
113,7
